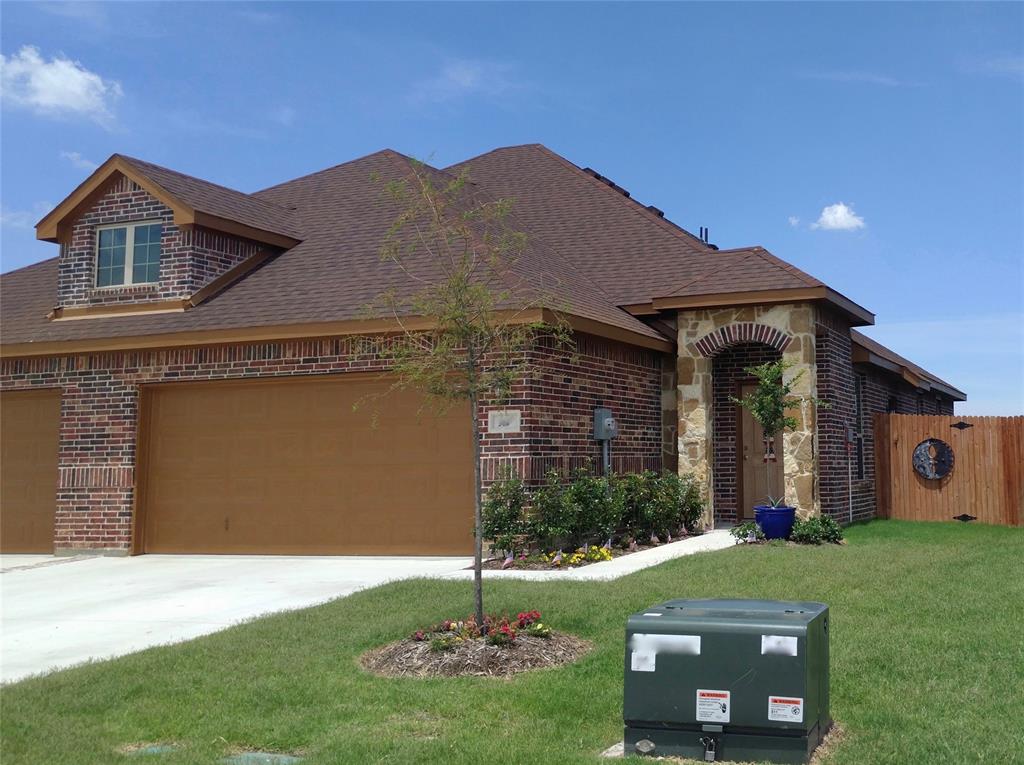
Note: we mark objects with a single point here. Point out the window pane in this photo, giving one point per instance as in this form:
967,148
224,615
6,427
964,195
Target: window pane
146,254
111,257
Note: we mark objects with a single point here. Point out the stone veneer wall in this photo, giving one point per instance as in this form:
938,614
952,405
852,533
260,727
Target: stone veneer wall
189,257
704,332
100,411
727,373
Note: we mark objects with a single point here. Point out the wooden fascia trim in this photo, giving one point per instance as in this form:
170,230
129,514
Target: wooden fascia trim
599,328
216,223
860,315
51,229
344,327
69,313
640,309
719,299
227,278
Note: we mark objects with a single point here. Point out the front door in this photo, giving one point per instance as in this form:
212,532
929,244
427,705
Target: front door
757,479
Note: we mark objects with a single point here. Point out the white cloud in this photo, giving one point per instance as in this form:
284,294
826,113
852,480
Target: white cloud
77,11
838,217
24,218
78,161
997,65
794,221
285,115
460,78
59,87
867,78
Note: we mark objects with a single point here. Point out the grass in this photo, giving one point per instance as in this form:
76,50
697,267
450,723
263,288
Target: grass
927,666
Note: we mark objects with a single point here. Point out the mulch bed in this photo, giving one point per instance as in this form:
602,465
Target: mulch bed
536,565
412,658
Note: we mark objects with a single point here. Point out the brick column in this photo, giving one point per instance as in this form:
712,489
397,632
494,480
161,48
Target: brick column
96,465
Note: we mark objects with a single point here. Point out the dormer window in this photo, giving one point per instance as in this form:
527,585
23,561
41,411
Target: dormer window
128,254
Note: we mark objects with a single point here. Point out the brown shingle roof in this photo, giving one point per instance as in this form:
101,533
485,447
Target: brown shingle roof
219,200
332,275
746,269
876,348
633,253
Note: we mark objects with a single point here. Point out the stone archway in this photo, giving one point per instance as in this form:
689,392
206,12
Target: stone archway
703,333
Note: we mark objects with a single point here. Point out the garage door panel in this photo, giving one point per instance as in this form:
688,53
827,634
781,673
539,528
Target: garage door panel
29,437
289,467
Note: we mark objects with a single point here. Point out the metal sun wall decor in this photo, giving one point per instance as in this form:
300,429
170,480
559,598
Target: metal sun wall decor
933,459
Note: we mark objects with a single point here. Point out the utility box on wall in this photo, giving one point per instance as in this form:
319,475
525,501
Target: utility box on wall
721,680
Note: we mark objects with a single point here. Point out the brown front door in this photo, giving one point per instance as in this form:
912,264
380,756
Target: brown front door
29,431
288,467
756,482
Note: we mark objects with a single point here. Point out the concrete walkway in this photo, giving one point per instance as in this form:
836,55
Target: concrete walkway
613,569
57,612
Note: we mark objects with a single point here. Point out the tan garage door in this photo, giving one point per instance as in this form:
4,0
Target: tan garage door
287,467
29,430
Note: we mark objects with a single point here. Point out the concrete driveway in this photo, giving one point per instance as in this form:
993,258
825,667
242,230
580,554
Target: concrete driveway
57,612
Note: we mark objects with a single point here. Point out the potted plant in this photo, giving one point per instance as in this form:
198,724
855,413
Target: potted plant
768,404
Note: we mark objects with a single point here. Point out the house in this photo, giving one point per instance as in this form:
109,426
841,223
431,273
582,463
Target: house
182,377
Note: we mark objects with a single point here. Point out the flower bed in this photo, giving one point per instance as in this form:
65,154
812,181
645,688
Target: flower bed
500,648
582,519
816,530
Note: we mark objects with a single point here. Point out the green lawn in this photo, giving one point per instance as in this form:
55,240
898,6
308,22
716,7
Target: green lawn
927,665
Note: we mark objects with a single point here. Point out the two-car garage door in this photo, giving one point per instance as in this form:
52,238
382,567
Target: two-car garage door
29,425
294,467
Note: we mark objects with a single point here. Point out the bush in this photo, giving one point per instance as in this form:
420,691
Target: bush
635,492
743,531
504,510
816,530
680,500
548,525
591,509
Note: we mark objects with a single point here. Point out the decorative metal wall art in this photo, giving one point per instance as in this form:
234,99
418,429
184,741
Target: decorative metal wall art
933,459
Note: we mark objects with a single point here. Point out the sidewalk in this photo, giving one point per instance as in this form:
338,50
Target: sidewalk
718,539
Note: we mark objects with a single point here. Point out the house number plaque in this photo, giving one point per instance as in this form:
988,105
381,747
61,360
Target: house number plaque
933,459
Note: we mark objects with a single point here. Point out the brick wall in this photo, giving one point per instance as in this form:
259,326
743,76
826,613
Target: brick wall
558,400
837,386
100,406
727,373
189,258
841,480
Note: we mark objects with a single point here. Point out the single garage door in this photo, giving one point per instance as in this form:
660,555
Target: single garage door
290,468
29,431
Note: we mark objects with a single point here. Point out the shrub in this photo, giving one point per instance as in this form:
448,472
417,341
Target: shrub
816,530
504,511
681,498
635,493
548,525
591,509
743,532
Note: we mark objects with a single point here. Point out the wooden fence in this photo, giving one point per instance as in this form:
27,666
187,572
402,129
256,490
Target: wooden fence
986,480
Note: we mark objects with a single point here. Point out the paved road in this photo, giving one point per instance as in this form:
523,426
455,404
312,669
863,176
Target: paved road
57,612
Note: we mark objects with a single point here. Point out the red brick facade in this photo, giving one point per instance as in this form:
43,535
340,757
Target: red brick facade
189,258
100,408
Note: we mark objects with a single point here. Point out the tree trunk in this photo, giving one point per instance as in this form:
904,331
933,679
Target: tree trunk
478,549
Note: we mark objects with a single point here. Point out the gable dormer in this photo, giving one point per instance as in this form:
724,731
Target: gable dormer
136,237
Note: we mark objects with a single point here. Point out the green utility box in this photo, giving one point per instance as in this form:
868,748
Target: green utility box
727,680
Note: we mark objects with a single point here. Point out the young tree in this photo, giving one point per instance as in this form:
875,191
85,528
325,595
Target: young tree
476,317
771,399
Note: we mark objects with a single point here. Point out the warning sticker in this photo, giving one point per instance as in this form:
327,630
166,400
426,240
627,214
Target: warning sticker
712,706
785,709
642,661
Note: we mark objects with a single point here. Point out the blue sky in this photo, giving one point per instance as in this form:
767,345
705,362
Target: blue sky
879,147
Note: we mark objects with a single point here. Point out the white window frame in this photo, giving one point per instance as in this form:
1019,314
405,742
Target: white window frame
129,253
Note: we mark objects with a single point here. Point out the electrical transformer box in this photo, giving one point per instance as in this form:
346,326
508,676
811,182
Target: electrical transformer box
721,680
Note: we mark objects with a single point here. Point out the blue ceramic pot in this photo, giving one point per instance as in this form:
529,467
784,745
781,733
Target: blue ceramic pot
775,522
